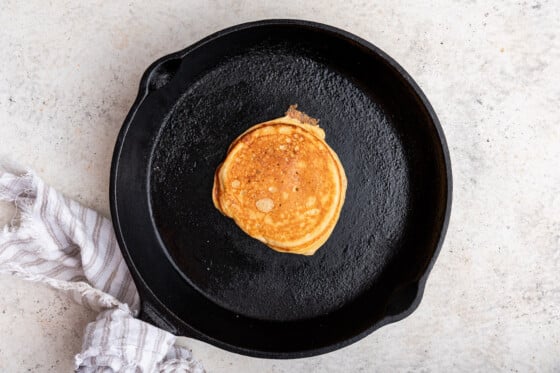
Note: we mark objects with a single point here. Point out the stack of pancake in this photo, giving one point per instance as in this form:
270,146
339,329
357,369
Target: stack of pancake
282,184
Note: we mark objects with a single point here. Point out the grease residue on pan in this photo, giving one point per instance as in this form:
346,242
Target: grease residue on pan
212,253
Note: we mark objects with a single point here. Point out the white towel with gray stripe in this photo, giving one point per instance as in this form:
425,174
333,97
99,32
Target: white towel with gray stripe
57,241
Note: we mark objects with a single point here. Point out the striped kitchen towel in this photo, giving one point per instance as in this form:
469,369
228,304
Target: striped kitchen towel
57,241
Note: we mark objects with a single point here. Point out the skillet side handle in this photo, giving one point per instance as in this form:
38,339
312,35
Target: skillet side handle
161,74
150,314
404,301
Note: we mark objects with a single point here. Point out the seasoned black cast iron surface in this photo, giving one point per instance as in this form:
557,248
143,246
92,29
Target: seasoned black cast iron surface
220,285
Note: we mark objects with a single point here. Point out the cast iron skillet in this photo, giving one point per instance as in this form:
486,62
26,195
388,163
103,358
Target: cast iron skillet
197,273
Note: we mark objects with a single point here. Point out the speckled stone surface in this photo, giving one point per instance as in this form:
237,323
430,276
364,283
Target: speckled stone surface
69,73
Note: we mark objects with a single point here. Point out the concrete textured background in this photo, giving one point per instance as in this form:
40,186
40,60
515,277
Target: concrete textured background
70,71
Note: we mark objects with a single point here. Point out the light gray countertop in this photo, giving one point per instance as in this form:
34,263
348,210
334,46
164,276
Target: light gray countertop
70,71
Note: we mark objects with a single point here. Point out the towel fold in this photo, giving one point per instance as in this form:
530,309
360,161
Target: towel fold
57,241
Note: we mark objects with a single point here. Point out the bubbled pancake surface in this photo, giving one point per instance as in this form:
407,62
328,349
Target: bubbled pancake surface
282,184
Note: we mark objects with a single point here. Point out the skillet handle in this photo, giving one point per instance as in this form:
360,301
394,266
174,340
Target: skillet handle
404,300
150,314
162,73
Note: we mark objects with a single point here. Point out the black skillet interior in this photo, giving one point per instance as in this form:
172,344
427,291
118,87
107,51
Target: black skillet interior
197,272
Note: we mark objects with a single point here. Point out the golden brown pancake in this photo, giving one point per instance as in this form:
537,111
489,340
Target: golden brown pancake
282,184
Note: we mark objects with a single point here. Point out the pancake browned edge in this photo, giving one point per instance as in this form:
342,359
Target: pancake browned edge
282,184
